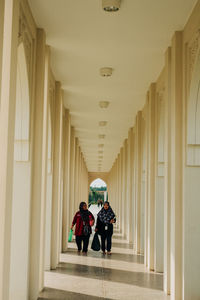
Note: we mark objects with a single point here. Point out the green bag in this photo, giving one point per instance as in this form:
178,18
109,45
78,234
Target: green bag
70,236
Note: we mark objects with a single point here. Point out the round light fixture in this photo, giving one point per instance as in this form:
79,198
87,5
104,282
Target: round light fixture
102,123
104,104
102,136
106,72
111,5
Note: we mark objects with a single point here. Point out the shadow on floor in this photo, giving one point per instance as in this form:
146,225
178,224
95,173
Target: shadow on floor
53,294
139,259
140,279
122,245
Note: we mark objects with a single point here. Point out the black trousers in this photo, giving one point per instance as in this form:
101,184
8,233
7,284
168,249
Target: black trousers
106,238
85,240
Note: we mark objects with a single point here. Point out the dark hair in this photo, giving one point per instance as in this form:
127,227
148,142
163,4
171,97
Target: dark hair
81,205
106,202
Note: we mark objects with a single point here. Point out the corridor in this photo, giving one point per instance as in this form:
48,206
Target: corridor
105,90
95,276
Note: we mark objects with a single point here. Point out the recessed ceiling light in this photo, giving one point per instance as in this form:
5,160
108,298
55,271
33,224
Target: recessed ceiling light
111,5
106,71
101,145
104,104
103,123
102,136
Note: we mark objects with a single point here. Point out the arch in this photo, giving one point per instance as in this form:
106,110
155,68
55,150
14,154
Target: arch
98,194
22,119
21,184
97,182
94,175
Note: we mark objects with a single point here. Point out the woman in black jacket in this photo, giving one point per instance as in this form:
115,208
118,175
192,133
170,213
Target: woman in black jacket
104,226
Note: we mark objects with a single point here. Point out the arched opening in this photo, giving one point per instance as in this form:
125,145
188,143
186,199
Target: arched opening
21,185
191,205
98,192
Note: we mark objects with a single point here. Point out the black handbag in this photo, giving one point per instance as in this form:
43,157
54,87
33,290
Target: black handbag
95,243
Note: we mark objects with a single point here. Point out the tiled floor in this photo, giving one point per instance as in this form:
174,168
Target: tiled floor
120,276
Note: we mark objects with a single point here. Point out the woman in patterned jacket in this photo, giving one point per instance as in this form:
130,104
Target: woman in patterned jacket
104,226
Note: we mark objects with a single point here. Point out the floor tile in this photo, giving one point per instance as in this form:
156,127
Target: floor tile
120,276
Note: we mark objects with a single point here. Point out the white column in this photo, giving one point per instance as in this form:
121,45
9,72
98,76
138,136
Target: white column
76,202
176,168
67,188
121,191
159,181
72,174
39,169
138,178
49,159
2,3
143,163
146,168
7,123
129,185
79,175
126,202
133,183
167,176
151,176
56,196
118,192
191,187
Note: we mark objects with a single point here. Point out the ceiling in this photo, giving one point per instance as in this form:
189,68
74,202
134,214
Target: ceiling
84,38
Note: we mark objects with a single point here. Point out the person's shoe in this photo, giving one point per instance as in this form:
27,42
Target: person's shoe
79,252
84,252
109,253
104,252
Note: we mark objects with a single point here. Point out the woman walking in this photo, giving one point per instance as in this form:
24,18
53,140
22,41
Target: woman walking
104,227
83,219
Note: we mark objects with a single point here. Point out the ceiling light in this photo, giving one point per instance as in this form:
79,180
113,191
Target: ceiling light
101,145
102,123
100,157
100,152
111,5
102,136
106,72
104,104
